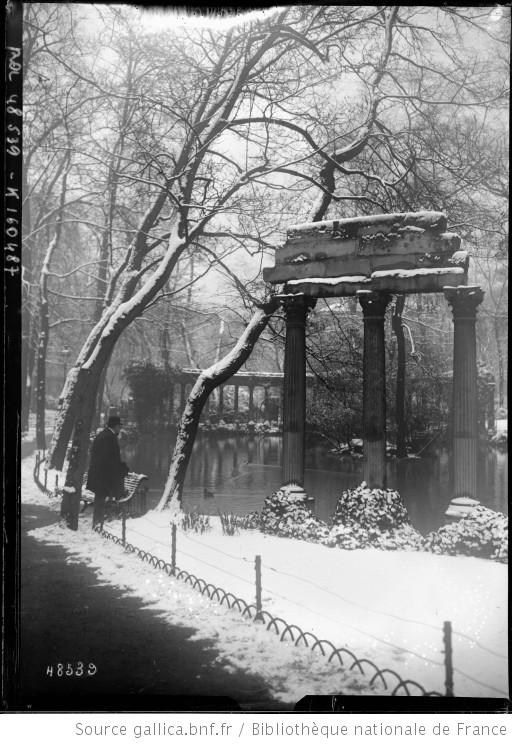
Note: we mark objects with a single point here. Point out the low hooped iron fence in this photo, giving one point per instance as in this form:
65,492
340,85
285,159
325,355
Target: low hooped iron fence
391,680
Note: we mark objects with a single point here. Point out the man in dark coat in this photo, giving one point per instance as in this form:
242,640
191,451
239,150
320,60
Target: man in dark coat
106,469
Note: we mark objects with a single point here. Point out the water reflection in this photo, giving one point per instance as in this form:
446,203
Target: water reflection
235,474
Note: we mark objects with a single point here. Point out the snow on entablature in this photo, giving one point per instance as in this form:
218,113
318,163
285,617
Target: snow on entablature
352,226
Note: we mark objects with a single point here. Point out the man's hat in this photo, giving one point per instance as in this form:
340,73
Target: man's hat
113,421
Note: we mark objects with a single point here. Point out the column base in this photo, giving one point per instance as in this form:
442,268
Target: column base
460,507
296,492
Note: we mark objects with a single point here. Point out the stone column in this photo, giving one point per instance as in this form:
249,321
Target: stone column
374,387
265,400
464,302
251,402
221,400
294,390
491,422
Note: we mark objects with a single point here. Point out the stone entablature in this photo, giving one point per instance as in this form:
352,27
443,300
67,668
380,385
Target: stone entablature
401,253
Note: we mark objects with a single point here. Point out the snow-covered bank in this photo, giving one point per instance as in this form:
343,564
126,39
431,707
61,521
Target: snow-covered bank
385,606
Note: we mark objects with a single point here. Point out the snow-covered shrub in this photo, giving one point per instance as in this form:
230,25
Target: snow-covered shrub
372,517
369,508
285,514
482,533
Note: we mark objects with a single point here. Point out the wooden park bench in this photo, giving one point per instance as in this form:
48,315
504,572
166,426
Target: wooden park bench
132,504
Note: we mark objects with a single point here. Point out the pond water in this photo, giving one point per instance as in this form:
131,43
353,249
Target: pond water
234,474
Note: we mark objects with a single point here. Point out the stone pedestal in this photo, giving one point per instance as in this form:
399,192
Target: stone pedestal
374,306
294,390
460,507
464,302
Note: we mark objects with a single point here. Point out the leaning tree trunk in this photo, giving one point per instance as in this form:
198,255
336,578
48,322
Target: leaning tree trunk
207,381
79,450
398,329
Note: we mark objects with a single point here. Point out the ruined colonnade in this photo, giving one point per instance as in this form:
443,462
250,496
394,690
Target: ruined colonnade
406,253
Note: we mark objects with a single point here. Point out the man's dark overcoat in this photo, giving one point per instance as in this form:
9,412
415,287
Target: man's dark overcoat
106,469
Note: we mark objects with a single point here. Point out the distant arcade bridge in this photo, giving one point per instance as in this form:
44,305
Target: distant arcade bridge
255,395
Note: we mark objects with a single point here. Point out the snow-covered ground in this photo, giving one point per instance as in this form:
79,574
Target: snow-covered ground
385,606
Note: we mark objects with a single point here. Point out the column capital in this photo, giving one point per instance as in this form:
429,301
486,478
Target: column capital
373,303
464,301
297,307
